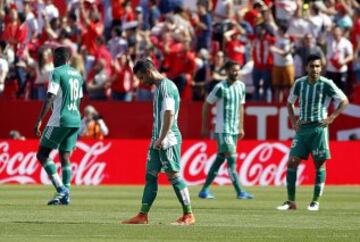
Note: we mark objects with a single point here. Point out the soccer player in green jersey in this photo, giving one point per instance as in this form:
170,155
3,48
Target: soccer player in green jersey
314,93
63,96
164,150
229,96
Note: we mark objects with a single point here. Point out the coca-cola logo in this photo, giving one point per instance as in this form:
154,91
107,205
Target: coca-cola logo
21,167
264,165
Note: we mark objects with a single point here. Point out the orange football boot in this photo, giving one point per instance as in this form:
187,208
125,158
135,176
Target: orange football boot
186,219
140,218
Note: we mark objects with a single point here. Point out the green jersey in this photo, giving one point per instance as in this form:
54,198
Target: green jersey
314,98
166,98
65,83
228,98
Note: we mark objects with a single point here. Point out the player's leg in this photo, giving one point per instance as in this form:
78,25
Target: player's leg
299,151
153,168
229,144
50,140
65,168
66,147
231,163
183,195
213,171
320,153
170,162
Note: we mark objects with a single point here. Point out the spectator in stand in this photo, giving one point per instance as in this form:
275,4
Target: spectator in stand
263,61
284,10
31,21
74,29
14,34
339,54
122,81
117,45
167,6
217,71
308,48
203,27
235,46
77,62
283,71
92,29
98,81
253,16
342,18
93,125
43,71
355,40
117,7
154,14
201,75
300,25
224,10
181,64
4,66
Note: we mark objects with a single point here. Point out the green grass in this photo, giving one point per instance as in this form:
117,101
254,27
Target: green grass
95,212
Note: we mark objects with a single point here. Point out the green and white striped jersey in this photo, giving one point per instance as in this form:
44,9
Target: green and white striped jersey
65,83
228,98
314,98
166,98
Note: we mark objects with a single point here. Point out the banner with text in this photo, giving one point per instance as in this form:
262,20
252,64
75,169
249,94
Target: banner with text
123,162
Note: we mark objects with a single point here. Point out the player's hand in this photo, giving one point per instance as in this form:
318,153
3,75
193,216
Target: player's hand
295,125
327,121
157,144
37,129
241,134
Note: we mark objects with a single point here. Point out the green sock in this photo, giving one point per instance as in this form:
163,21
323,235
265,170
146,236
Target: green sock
320,176
182,193
232,173
150,192
213,171
66,175
50,169
291,183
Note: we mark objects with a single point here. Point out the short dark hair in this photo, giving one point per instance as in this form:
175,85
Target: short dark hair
62,54
229,64
143,65
312,58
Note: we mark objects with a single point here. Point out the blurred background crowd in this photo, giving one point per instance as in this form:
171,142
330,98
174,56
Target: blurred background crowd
188,40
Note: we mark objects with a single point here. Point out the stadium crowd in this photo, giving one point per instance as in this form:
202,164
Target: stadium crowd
188,40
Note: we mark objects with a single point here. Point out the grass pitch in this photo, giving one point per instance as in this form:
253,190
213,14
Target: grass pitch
95,212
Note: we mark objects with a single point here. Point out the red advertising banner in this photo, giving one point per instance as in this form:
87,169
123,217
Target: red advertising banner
134,120
123,162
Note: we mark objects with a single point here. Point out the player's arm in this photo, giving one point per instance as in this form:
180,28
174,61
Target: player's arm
241,113
212,98
241,122
294,93
291,111
44,110
340,97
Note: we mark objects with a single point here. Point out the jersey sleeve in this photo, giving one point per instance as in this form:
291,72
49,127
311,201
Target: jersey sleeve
168,98
294,93
214,95
243,94
54,83
334,92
